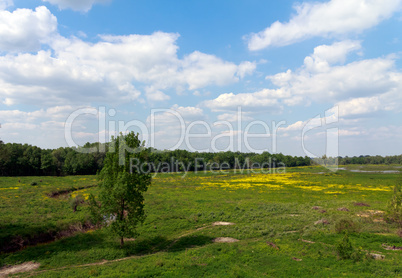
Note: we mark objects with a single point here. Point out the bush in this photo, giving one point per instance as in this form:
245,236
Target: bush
345,225
346,251
394,209
76,201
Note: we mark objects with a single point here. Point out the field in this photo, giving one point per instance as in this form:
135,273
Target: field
282,225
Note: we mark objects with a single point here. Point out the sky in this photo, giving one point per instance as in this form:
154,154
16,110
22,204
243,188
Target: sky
305,78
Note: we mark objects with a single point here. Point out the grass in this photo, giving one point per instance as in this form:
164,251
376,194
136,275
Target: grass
176,238
28,210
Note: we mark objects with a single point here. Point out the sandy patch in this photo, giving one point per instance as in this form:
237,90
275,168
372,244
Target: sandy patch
29,266
225,239
307,241
220,223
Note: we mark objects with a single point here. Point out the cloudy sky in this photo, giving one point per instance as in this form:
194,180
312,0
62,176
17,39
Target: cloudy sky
301,78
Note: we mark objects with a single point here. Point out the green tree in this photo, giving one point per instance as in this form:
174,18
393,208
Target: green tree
121,201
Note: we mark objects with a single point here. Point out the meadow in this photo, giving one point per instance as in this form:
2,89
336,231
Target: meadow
286,224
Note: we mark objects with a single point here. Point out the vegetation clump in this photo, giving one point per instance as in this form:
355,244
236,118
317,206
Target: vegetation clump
346,251
76,201
345,225
394,209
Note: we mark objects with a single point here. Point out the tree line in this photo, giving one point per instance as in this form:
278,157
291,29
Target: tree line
27,160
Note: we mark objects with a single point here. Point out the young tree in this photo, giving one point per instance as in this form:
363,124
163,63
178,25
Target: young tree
121,200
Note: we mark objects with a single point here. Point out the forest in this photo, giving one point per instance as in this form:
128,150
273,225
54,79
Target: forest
27,160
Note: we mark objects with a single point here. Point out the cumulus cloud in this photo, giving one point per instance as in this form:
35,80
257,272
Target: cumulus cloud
76,5
5,4
25,29
113,69
234,117
333,18
31,127
169,126
319,80
265,99
358,88
246,68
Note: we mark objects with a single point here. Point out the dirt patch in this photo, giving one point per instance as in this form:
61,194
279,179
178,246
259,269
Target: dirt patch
220,223
377,256
316,207
363,214
8,270
343,209
224,239
59,193
307,241
361,204
376,211
290,232
273,245
321,221
379,220
394,248
372,213
296,259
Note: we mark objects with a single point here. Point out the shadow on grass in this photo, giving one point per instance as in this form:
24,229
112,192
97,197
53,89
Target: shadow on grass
190,241
99,245
160,243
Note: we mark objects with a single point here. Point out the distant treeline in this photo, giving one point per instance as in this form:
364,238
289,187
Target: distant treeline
26,160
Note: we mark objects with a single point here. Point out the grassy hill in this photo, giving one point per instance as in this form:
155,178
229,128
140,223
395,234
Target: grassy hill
281,225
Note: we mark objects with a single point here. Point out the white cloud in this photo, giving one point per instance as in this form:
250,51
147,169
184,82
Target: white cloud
56,112
5,4
169,126
246,68
26,30
264,99
333,18
199,70
359,106
319,80
76,5
325,55
358,88
115,68
297,126
234,117
156,95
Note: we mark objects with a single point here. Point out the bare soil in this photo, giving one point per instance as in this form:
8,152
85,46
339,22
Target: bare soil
8,270
224,239
220,223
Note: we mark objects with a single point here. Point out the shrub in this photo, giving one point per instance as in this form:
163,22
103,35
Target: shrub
346,250
394,209
345,225
76,201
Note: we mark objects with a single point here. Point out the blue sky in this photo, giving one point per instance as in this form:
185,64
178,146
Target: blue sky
314,77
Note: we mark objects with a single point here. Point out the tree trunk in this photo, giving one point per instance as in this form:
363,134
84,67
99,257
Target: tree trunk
121,242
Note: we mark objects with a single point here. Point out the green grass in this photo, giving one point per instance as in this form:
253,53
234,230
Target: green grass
176,238
27,210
